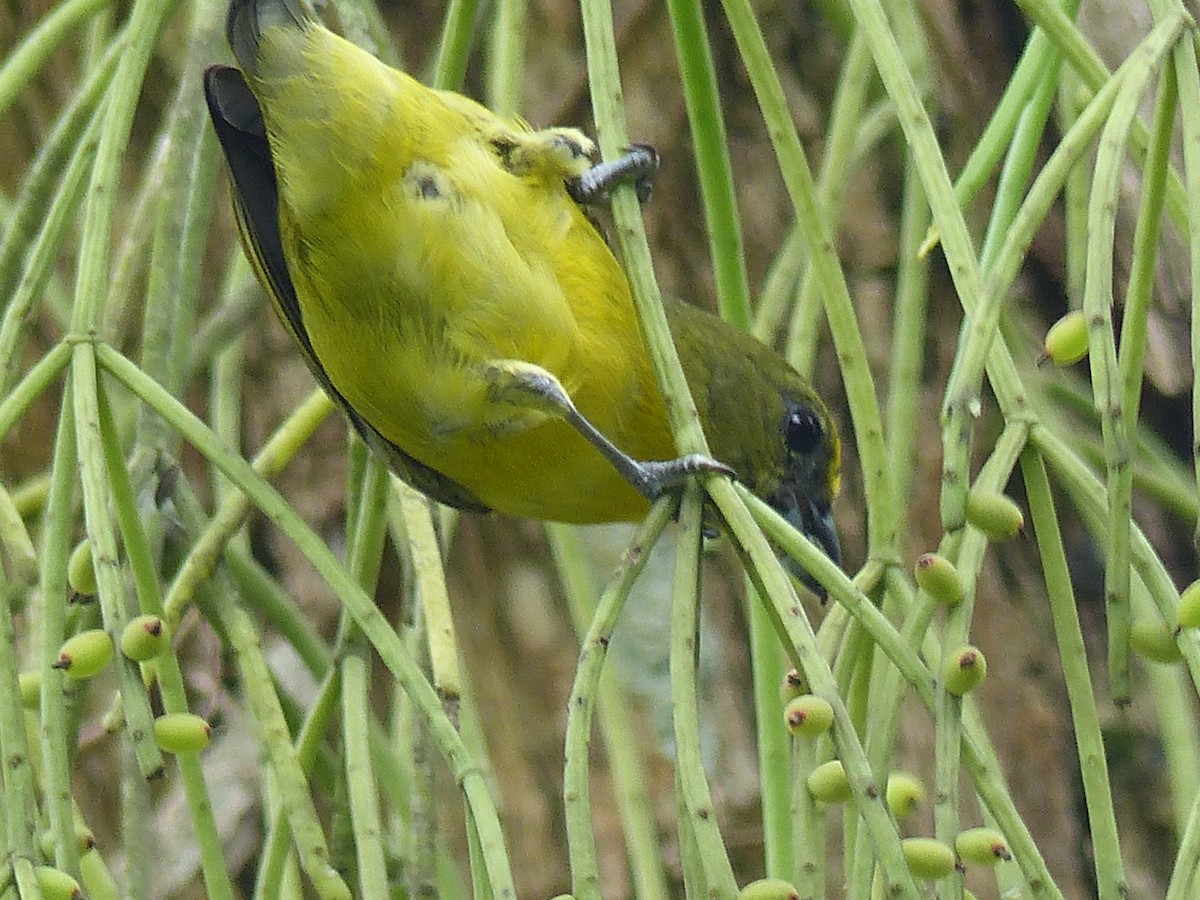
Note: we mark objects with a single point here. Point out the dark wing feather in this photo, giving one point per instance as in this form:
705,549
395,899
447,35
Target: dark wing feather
239,125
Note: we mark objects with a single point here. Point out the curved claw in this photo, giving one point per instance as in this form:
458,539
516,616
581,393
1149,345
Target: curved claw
653,479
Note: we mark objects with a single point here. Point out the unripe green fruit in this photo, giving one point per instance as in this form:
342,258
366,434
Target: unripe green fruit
905,792
30,684
985,846
938,577
996,515
85,654
808,716
828,783
965,670
793,685
84,840
1154,640
928,858
56,884
769,889
81,573
181,733
144,638
1189,606
1067,339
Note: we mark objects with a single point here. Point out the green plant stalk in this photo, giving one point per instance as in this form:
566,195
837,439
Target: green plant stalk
1107,387
275,454
296,760
127,276
362,798
20,799
145,23
809,875
450,65
185,206
27,883
1075,191
907,362
23,62
1084,59
430,578
1180,737
1086,494
967,553
795,631
947,216
43,255
170,678
35,382
1130,361
698,813
845,117
225,412
364,552
621,747
478,858
506,58
711,147
607,102
1187,859
1093,764
110,581
1188,85
55,729
1016,171
853,668
1039,60
369,618
74,134
767,670
581,841
882,514
778,290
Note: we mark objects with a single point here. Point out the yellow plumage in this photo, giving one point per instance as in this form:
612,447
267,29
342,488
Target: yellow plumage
451,294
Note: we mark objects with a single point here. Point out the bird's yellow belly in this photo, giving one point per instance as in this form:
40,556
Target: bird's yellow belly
438,408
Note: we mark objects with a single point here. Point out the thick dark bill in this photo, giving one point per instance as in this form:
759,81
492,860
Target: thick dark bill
814,519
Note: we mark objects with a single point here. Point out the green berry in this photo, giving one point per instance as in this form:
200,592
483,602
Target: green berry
1067,339
828,783
769,889
928,858
905,792
85,654
56,884
144,638
965,670
1189,606
996,515
1154,640
30,684
793,685
181,732
81,572
938,577
808,716
984,846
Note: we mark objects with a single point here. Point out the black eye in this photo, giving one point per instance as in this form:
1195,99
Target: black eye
802,431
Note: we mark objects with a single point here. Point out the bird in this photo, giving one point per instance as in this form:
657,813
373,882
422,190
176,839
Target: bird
442,272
